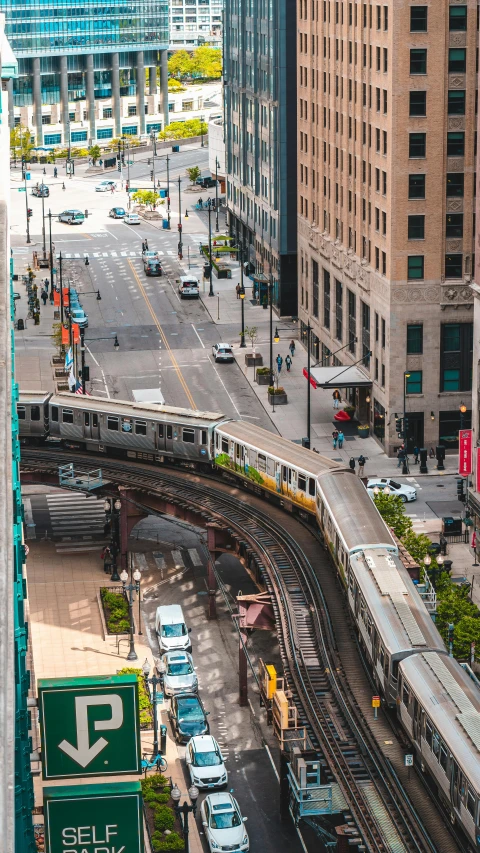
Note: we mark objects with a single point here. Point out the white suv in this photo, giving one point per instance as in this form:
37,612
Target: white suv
222,352
205,762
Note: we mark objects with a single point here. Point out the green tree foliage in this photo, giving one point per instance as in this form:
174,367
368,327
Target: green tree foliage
149,198
144,703
95,153
175,85
184,129
391,509
20,142
205,63
193,173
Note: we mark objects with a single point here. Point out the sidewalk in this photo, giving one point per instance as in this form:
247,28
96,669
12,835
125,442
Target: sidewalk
67,638
291,420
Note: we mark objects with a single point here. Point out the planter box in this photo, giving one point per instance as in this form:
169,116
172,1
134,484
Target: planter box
278,399
363,433
262,379
254,360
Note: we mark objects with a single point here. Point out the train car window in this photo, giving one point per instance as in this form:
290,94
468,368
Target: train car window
86,418
395,670
405,695
351,580
169,431
436,745
262,463
429,733
188,435
302,482
21,413
311,487
224,445
471,801
112,423
284,474
443,757
67,416
95,419
140,427
35,413
54,414
160,430
386,666
369,626
271,467
204,436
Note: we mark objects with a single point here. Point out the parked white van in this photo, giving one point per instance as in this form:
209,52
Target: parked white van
171,629
188,286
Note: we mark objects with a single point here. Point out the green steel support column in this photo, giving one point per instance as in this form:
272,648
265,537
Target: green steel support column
24,801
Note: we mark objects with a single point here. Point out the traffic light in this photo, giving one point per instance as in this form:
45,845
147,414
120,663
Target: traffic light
405,427
119,166
29,212
85,374
461,490
151,175
180,226
399,426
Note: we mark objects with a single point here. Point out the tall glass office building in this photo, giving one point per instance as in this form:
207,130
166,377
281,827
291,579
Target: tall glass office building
69,52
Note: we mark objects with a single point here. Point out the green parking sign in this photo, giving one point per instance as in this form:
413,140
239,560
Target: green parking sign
94,818
89,726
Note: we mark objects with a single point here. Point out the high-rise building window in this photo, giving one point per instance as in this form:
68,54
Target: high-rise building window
457,60
352,320
417,147
414,382
415,267
456,356
416,186
315,281
453,266
338,310
418,60
457,18
455,181
418,19
365,333
454,225
456,102
455,143
418,103
416,227
326,299
415,339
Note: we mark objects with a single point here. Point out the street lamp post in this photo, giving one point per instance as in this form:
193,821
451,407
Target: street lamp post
210,293
180,245
26,205
154,152
116,346
270,297
463,409
130,588
168,190
242,298
405,423
113,509
216,194
154,681
183,811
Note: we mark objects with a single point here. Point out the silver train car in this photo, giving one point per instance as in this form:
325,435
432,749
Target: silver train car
439,706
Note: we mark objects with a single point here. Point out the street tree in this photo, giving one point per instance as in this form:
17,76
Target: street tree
391,509
95,153
252,333
184,129
206,62
193,173
180,64
149,198
21,142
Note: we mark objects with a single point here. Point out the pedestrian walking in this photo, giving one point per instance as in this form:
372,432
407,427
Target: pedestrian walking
352,464
335,438
279,363
200,202
415,455
238,289
44,297
146,244
401,457
292,347
361,464
44,170
143,246
63,185
112,189
431,453
55,172
336,398
45,282
288,363
341,439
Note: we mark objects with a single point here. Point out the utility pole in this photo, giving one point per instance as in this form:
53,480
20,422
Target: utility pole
242,297
43,227
216,194
61,292
168,191
26,205
154,152
180,245
211,293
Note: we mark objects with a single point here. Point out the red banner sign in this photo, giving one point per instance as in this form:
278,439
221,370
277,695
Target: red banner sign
312,380
465,452
477,470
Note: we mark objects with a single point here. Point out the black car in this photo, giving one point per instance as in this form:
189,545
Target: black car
41,190
188,717
206,182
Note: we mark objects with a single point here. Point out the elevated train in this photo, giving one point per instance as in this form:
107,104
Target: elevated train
436,701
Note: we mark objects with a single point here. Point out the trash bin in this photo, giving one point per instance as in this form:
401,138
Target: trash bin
175,149
20,325
306,442
447,566
452,525
163,193
165,223
163,739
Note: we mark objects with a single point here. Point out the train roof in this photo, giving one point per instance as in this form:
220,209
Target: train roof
35,397
274,445
126,408
452,701
396,607
355,514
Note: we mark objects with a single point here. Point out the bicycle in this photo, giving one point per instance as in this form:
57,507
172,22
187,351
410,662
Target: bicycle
159,762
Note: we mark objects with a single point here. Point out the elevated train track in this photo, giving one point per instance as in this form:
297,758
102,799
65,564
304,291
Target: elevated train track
384,815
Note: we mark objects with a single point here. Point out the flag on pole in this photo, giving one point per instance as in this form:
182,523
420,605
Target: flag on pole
71,379
78,389
68,358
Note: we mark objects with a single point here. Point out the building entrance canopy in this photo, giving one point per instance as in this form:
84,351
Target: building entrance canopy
338,377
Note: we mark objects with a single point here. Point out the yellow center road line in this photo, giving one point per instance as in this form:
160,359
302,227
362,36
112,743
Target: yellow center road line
163,337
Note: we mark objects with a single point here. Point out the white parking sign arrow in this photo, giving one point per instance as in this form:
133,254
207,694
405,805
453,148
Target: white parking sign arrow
83,753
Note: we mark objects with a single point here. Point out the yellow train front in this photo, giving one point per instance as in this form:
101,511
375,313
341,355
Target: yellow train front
270,463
